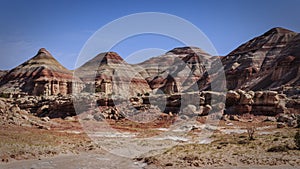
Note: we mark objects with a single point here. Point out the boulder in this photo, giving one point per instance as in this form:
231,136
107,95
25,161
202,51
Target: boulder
267,98
184,117
239,109
45,119
234,118
233,95
15,109
271,119
258,94
232,98
246,98
99,117
281,125
2,104
41,111
284,118
205,110
190,110
212,97
70,118
292,123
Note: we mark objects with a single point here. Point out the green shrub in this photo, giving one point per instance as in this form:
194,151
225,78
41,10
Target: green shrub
297,139
251,130
298,121
4,95
98,89
278,149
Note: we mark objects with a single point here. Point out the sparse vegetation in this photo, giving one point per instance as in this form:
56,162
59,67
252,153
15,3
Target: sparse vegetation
4,95
98,89
233,150
298,121
27,143
297,139
280,148
251,130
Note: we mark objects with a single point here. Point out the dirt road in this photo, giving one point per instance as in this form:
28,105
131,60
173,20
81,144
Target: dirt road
80,161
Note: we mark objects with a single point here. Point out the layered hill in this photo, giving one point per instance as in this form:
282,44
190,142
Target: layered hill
249,63
40,75
176,71
284,70
110,74
269,61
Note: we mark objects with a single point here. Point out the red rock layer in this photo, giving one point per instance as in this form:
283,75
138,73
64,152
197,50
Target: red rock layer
40,75
110,74
256,58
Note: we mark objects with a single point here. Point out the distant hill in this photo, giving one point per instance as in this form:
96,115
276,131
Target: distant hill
250,62
40,75
110,74
269,61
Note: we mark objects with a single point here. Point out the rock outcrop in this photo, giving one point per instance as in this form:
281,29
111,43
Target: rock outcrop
12,114
40,75
268,103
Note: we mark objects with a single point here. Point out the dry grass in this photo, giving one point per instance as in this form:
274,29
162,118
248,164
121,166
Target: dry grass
27,143
141,129
233,150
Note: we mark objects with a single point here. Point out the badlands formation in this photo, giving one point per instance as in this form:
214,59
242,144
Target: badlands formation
257,82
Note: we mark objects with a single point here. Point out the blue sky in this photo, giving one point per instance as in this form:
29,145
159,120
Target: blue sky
63,26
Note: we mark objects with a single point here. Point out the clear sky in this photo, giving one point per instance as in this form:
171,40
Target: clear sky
63,26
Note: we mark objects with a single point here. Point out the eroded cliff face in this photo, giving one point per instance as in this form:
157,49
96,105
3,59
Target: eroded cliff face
110,74
284,71
268,103
40,75
268,62
179,70
256,57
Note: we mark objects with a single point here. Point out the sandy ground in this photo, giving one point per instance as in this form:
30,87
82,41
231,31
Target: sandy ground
130,146
105,161
80,161
228,167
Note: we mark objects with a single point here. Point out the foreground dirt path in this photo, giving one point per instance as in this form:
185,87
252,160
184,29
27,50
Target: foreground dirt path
105,161
65,146
80,161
